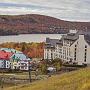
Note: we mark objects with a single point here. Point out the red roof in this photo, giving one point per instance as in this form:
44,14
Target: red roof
5,55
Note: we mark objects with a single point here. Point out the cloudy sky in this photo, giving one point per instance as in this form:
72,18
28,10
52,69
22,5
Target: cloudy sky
74,10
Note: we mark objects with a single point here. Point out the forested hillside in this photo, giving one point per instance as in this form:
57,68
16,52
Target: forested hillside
34,23
32,50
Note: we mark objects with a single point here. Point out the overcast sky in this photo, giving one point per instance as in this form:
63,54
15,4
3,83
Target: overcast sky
75,10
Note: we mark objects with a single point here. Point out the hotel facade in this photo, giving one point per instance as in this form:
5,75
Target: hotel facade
73,47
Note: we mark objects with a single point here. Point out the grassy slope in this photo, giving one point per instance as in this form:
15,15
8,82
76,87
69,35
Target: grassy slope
77,80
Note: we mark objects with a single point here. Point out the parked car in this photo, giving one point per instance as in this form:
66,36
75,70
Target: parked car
51,69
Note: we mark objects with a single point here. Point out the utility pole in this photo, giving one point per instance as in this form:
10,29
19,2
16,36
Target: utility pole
1,83
29,70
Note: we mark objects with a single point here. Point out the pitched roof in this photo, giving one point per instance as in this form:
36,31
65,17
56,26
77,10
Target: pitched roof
19,56
74,37
70,36
87,39
10,50
5,55
86,35
50,43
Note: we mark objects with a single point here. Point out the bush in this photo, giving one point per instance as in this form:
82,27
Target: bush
57,63
43,68
73,65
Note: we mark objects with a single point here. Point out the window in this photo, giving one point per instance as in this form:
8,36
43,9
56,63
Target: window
85,54
51,56
75,52
85,50
67,52
7,62
67,58
47,55
85,46
67,42
75,45
61,56
74,58
75,49
75,55
85,60
47,49
2,66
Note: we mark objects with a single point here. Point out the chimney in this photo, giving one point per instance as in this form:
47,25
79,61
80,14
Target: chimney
81,36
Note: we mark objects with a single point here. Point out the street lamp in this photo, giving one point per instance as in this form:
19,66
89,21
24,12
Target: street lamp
29,70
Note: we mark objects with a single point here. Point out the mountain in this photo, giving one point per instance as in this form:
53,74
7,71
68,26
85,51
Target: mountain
35,24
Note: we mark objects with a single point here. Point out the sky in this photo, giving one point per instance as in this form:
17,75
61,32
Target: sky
71,10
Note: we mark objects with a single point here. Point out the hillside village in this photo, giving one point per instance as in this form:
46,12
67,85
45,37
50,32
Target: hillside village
13,59
51,58
68,49
54,59
45,45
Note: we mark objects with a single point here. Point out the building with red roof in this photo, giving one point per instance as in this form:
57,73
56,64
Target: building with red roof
5,55
13,59
5,59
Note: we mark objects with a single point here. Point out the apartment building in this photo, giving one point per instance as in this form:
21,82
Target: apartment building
73,47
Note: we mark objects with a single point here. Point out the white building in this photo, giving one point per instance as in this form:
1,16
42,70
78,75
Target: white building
80,50
5,59
4,64
50,51
73,47
20,61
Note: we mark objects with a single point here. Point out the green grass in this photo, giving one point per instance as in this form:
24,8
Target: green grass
75,80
